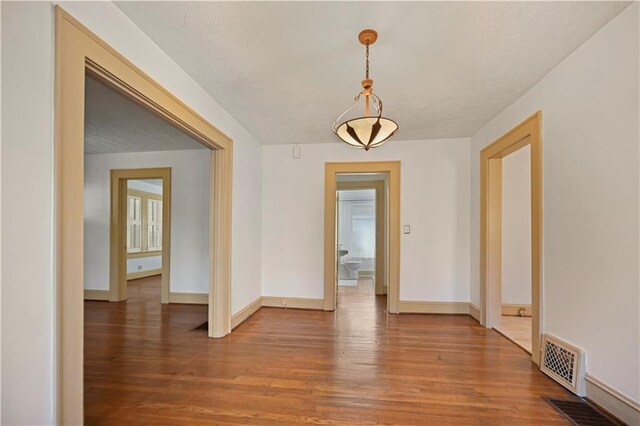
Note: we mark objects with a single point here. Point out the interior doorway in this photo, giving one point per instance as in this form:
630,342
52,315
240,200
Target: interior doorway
515,319
79,52
361,232
140,173
383,178
140,238
525,134
145,228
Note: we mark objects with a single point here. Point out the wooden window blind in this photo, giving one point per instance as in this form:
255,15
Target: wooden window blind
154,225
134,224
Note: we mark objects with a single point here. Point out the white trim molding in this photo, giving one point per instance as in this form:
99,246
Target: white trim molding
406,307
144,274
423,307
612,401
189,298
513,310
96,295
243,314
474,311
292,302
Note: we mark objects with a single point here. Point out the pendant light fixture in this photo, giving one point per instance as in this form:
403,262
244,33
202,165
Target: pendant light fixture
368,131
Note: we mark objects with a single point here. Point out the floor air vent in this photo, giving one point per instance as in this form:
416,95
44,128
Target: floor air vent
564,363
581,413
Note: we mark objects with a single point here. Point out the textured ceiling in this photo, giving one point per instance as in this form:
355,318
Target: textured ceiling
285,70
113,123
153,182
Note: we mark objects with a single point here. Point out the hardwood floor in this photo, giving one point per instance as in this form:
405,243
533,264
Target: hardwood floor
517,329
365,286
144,364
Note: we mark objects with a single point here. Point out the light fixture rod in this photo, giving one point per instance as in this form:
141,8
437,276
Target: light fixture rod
369,82
366,68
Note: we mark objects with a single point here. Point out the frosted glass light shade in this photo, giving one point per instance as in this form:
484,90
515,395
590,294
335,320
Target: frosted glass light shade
366,132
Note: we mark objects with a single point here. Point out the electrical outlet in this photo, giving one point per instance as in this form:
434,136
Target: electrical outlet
284,302
297,152
139,267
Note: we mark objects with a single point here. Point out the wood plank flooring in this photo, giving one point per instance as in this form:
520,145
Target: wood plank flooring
366,286
517,329
144,364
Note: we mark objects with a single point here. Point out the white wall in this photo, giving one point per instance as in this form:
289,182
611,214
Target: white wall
434,263
28,317
516,227
190,182
150,263
591,191
28,370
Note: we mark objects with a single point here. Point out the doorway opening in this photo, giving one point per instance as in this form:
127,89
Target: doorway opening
79,52
492,246
368,260
145,228
150,184
362,237
515,319
140,238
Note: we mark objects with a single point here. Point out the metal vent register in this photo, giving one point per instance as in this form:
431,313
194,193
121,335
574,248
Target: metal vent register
581,413
564,363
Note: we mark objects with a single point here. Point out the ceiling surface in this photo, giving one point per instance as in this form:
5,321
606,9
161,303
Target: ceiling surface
114,123
153,182
286,70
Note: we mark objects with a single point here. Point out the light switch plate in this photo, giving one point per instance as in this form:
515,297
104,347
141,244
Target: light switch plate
407,229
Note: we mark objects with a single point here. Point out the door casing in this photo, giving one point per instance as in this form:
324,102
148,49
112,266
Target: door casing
118,230
79,52
392,170
526,133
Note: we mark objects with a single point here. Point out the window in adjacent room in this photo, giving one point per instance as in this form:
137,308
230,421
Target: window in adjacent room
134,224
154,225
144,217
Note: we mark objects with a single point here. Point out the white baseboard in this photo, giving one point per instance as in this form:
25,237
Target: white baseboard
474,311
244,313
513,310
405,306
292,302
189,298
616,403
96,295
275,302
144,274
422,307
